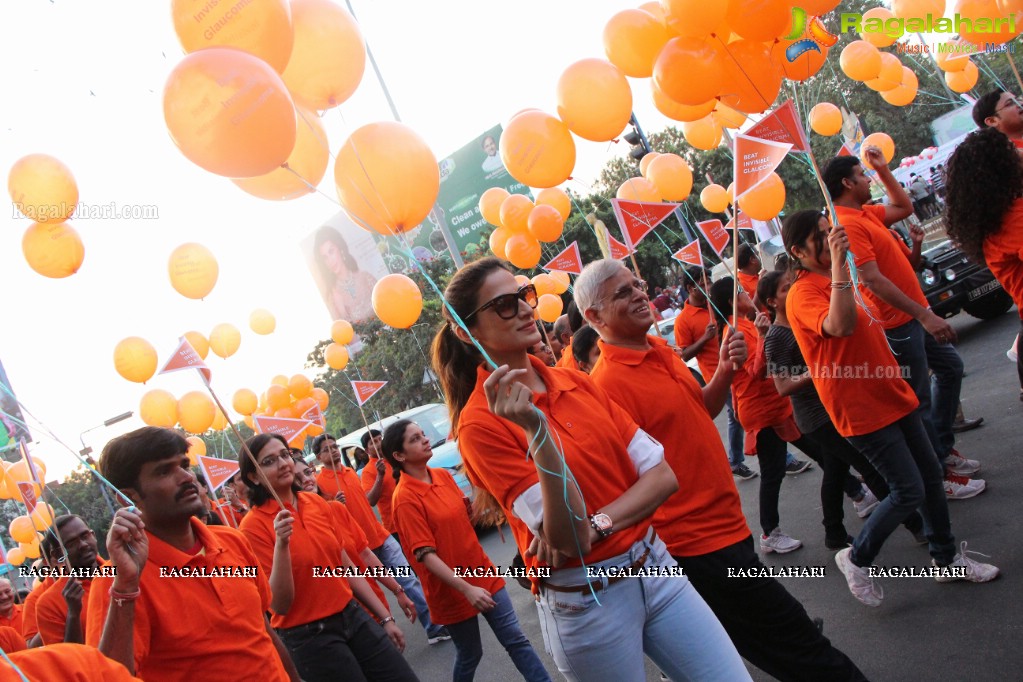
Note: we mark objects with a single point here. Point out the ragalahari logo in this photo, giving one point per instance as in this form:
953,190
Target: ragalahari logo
809,35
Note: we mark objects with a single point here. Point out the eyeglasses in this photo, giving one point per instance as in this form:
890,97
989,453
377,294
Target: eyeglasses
1012,102
507,305
625,291
272,460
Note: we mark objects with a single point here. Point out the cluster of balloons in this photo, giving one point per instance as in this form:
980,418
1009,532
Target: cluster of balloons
522,223
26,529
285,398
44,190
879,71
665,177
336,353
763,202
194,412
926,155
549,288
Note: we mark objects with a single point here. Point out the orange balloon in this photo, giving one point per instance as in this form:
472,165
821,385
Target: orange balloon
302,171
818,7
328,57
537,149
950,57
259,27
387,177
766,200
752,78
881,140
53,249
704,134
277,397
336,356
193,270
521,280
515,212
219,421
680,112
632,40
965,80
918,9
804,66
299,386
342,332
879,39
195,412
42,517
644,163
279,380
135,359
826,119
671,177
860,61
523,251
225,340
694,18
561,281
638,189
594,99
553,196
199,343
244,401
544,284
758,20
229,113
727,117
262,321
490,204
549,307
890,75
321,397
159,408
979,10
15,556
689,70
714,198
42,188
730,190
397,301
21,529
196,446
498,240
249,422
286,412
545,223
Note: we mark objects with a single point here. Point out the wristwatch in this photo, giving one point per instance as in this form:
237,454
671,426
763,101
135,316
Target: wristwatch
602,524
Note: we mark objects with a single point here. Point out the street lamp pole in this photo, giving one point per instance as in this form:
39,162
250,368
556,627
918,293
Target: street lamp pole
86,453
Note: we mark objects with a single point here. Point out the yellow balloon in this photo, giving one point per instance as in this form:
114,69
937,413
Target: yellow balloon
259,27
342,332
387,178
549,307
397,301
193,270
490,204
553,196
638,189
159,408
537,149
42,188
225,340
220,421
279,380
671,177
196,446
826,119
21,530
302,171
53,249
561,282
594,99
714,198
245,401
262,321
15,557
328,57
135,359
198,342
336,356
195,412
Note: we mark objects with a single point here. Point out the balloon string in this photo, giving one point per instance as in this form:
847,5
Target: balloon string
697,284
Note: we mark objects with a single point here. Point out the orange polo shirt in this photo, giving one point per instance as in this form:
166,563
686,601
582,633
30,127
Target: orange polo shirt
11,640
355,501
433,515
230,515
705,514
51,609
30,627
369,477
748,283
316,543
871,241
567,359
355,543
757,402
14,620
67,663
690,325
594,433
856,377
1003,252
198,628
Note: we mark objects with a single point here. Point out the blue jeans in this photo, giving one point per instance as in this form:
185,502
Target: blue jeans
663,617
502,620
918,352
391,556
902,454
736,435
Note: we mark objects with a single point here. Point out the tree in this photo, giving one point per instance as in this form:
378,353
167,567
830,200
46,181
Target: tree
80,493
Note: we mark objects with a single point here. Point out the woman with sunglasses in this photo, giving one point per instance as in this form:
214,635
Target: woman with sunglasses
578,482
312,581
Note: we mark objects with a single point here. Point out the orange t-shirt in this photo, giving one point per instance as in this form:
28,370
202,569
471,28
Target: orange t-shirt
690,325
659,391
1003,252
757,403
231,516
857,378
68,663
567,359
369,477
51,609
355,501
870,240
434,515
29,627
15,620
11,640
748,283
198,628
355,543
316,543
594,433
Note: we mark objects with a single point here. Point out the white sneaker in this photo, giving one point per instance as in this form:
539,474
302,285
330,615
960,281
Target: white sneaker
960,466
866,505
962,488
861,584
778,542
975,571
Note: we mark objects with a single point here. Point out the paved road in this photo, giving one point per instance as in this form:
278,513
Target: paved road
923,631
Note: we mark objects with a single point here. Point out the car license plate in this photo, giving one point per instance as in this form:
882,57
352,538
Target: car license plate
983,289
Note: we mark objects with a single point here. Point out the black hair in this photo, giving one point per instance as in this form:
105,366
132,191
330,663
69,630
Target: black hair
767,288
366,437
124,456
986,107
796,229
583,342
838,169
392,442
50,544
694,277
721,299
258,493
782,262
576,321
744,255
319,441
984,177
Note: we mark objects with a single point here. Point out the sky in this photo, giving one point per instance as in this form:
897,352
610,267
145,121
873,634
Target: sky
83,82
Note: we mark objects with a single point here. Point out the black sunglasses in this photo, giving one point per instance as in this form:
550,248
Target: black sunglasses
507,305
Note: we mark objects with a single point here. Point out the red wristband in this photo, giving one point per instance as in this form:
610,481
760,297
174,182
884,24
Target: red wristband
121,597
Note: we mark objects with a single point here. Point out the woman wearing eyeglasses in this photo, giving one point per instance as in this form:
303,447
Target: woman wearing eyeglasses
593,531
302,548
